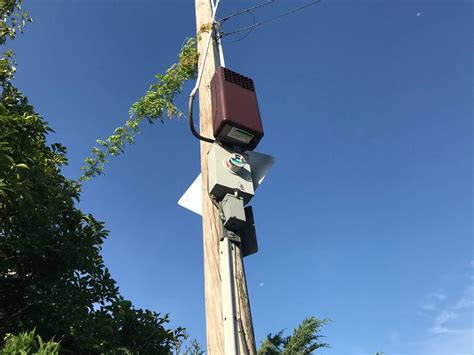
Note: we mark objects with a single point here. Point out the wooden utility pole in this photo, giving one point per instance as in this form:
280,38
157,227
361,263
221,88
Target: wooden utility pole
246,334
210,214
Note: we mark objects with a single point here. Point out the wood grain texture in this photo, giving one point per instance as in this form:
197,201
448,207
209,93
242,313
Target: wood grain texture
210,214
247,336
210,219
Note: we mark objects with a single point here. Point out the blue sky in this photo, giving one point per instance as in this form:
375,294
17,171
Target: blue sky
367,216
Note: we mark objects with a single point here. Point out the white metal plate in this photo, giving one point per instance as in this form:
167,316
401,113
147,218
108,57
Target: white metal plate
192,198
261,165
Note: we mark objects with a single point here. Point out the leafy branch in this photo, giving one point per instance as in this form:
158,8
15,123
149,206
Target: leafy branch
306,338
156,104
29,343
12,20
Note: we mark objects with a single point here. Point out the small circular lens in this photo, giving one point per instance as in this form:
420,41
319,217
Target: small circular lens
235,162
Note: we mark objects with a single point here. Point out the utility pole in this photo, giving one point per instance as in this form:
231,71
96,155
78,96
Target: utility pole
216,305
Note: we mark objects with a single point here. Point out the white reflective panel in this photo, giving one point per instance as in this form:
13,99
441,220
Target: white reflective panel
261,165
192,198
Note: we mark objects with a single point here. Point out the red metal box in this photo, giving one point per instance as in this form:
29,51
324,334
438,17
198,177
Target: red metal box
235,113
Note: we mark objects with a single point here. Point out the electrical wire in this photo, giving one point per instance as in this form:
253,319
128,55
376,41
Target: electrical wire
249,10
249,31
292,11
199,78
191,125
218,40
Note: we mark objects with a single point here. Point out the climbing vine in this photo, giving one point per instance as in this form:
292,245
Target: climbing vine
156,104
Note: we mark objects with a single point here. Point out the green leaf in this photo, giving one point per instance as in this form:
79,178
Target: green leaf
21,166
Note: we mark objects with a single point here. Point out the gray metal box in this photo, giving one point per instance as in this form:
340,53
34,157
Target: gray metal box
234,214
248,234
222,180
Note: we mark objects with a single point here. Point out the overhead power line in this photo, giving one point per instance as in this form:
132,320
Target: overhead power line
240,12
223,34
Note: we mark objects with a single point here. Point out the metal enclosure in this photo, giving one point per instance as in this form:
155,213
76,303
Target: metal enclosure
224,181
233,210
235,113
248,234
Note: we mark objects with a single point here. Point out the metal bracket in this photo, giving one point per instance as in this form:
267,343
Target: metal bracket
245,234
225,232
233,209
231,235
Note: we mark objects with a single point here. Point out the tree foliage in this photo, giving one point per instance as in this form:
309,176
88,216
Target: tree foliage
52,275
13,19
28,343
304,340
185,346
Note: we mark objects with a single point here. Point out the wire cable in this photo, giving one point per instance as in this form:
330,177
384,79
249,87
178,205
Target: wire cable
199,78
250,9
218,40
225,34
249,31
191,125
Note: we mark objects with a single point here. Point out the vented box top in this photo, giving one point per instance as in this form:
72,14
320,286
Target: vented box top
235,113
